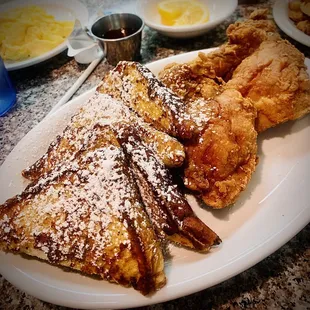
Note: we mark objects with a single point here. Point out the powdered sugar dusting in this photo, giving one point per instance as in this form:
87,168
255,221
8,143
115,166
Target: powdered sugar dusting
200,112
141,90
80,210
159,194
102,110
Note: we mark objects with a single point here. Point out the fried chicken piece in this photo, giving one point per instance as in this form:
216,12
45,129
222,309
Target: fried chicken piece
220,162
243,39
304,26
263,67
295,16
275,78
299,13
305,7
187,83
294,5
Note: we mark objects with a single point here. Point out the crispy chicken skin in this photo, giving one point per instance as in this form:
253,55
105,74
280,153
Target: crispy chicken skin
220,161
275,78
263,67
243,39
187,83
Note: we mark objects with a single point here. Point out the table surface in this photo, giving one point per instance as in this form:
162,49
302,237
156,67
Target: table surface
281,281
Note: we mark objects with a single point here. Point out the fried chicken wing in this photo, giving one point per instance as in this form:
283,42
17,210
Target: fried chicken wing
275,78
187,83
220,161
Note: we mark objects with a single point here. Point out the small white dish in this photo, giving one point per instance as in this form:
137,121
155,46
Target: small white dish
280,15
61,10
219,11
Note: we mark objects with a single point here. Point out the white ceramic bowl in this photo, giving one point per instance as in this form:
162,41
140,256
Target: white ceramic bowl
219,11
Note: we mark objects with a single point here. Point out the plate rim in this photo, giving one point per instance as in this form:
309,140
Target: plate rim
245,261
78,6
281,18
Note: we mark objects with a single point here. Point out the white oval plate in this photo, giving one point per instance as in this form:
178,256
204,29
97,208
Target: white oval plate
219,11
61,10
274,207
280,15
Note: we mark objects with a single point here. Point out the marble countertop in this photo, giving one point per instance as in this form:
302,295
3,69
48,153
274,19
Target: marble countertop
281,281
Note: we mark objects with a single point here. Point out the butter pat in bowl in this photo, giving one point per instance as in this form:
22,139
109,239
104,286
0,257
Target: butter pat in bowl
184,18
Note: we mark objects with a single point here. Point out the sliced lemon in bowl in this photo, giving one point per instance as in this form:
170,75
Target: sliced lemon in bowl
170,10
195,13
182,12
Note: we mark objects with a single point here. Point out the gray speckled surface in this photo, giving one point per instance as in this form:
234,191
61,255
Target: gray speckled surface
280,281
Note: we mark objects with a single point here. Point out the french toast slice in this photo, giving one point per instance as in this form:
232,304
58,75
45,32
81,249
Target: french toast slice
87,215
149,98
171,215
102,109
